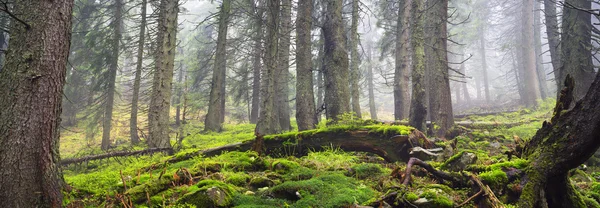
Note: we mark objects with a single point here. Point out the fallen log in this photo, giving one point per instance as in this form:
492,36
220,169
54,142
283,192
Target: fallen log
471,124
69,161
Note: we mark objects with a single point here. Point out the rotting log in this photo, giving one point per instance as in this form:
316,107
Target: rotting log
472,124
69,161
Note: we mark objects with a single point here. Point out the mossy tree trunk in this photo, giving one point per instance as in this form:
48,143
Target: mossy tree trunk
216,103
402,62
564,143
337,92
305,102
31,87
160,102
418,109
133,120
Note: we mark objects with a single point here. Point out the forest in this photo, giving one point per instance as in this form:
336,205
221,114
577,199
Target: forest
300,103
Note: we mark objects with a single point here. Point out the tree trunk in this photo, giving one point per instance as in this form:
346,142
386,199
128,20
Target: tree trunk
177,101
138,78
440,101
256,65
484,73
267,120
530,78
355,61
112,74
281,82
370,77
564,143
337,92
554,41
305,102
216,102
402,62
576,45
539,61
31,87
158,113
320,79
418,111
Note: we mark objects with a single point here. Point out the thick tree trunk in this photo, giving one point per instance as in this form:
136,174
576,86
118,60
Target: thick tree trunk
216,106
133,121
355,61
281,82
112,74
402,62
267,120
539,61
530,78
158,113
554,42
418,110
337,92
305,102
576,45
440,102
256,65
31,87
564,143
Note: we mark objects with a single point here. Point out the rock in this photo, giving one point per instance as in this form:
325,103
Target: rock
260,182
249,193
495,145
211,197
460,163
421,201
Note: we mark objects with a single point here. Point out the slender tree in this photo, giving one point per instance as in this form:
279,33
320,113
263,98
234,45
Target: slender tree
256,64
539,62
553,35
370,84
337,92
530,78
133,120
158,113
216,103
355,60
31,86
305,102
282,73
112,73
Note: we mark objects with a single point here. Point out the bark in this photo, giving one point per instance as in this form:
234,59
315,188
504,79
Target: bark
371,86
305,102
112,74
31,87
564,143
158,113
320,79
282,73
539,62
466,96
530,78
418,110
267,120
337,92
553,35
179,88
133,121
216,106
355,61
576,45
440,101
256,65
402,62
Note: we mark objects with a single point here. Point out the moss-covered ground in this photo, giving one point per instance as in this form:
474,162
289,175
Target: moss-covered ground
329,178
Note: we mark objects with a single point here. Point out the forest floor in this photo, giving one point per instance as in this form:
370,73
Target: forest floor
327,178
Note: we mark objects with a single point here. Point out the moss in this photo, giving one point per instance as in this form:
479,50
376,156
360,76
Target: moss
210,193
301,173
387,129
260,182
246,201
241,161
495,178
589,202
436,199
237,179
366,170
334,190
454,157
411,197
152,187
283,166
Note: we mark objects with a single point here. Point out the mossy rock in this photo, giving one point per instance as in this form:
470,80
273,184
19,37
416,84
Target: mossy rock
260,182
433,198
460,161
283,166
301,173
241,161
495,178
152,187
237,179
365,170
210,193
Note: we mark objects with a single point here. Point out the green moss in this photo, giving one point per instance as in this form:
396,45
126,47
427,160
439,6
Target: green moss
436,199
260,182
237,179
495,178
589,202
152,187
241,161
210,193
387,129
334,190
247,201
283,166
411,197
366,170
454,157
